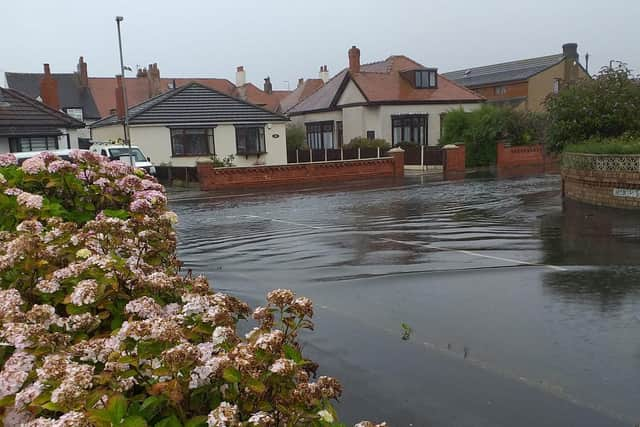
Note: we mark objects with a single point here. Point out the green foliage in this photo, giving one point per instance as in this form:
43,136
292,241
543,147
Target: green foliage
626,144
607,106
481,129
362,142
408,144
296,138
225,162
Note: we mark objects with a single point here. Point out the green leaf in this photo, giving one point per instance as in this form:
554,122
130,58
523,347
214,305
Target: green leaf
231,375
196,421
117,407
116,213
292,353
150,407
256,386
171,421
134,421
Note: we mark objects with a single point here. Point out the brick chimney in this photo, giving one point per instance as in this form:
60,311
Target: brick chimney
241,76
83,75
49,89
300,81
153,80
324,74
119,98
268,87
354,60
571,63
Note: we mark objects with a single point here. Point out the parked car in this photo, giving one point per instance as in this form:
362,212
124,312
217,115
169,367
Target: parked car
121,152
24,155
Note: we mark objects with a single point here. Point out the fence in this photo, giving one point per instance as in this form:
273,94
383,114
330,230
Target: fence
421,155
333,154
169,174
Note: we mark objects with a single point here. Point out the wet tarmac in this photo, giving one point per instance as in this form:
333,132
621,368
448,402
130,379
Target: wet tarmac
522,312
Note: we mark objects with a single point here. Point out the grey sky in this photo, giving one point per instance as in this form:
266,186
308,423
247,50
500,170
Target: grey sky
290,39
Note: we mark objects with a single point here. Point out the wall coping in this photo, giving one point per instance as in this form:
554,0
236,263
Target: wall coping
600,155
207,162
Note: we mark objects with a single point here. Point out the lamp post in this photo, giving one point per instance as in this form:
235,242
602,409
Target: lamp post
124,93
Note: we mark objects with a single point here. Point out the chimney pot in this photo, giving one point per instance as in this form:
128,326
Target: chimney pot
324,74
268,87
354,60
49,89
300,81
241,76
570,50
83,75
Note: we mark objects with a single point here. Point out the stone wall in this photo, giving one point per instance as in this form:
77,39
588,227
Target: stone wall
602,180
211,178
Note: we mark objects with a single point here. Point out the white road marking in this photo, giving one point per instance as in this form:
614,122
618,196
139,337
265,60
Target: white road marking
424,245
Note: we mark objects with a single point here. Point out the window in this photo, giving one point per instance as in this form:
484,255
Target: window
192,142
116,153
409,128
320,135
371,134
500,90
339,134
33,143
76,113
250,140
426,79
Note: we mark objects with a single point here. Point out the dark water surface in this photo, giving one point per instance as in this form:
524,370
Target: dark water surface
522,312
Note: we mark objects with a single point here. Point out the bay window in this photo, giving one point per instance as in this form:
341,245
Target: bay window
192,142
320,135
409,128
250,140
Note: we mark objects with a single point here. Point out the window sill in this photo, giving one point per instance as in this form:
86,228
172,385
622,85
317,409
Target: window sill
193,155
253,153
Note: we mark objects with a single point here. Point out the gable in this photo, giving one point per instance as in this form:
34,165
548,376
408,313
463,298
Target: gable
351,95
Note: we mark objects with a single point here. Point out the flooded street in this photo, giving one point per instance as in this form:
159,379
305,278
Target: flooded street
521,312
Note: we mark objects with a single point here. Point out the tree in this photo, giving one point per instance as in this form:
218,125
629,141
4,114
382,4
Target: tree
607,106
296,137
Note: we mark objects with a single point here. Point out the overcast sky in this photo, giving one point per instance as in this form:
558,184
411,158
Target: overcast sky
287,39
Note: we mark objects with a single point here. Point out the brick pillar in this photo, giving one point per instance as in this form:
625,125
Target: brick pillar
398,161
454,161
500,154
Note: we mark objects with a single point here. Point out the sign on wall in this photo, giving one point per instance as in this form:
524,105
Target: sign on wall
626,192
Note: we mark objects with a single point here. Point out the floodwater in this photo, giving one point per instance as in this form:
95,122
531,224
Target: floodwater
522,312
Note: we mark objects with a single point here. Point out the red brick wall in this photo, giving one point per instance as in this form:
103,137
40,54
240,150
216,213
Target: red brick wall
524,159
454,159
218,178
602,188
514,90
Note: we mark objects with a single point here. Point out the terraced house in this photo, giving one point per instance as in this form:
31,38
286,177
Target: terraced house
526,83
397,99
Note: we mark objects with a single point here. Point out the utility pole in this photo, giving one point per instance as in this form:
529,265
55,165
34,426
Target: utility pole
127,139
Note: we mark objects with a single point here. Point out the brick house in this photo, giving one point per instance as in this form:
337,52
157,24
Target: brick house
396,99
526,83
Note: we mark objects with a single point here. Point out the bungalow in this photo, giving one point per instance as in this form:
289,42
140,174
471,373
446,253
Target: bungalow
397,99
194,122
30,125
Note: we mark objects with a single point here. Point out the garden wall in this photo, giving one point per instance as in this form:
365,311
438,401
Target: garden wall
602,179
524,160
220,178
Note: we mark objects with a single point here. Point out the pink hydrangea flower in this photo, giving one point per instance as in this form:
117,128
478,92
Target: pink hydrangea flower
8,159
28,200
34,165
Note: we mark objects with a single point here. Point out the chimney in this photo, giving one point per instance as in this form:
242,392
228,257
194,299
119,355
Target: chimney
119,97
83,76
142,72
300,81
354,60
570,52
153,80
49,89
268,87
324,73
241,77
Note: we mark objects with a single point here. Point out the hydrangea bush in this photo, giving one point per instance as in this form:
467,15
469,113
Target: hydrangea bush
98,326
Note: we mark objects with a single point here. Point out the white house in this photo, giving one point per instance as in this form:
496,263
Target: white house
29,125
194,122
397,99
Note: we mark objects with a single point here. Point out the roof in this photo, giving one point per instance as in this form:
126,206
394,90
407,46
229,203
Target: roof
303,91
253,94
27,116
194,103
381,82
70,92
504,72
103,89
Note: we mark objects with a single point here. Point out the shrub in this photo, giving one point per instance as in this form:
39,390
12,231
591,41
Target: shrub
604,107
362,142
296,138
626,144
225,162
97,326
408,144
481,129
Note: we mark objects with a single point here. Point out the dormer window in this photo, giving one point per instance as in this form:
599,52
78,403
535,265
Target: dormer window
426,79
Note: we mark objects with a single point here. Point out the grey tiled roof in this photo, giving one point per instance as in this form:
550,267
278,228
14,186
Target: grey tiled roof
194,104
26,116
71,94
504,72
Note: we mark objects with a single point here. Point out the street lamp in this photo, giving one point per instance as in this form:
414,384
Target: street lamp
127,139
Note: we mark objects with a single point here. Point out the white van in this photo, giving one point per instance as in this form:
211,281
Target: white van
121,152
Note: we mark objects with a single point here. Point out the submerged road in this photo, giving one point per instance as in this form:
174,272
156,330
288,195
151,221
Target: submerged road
521,312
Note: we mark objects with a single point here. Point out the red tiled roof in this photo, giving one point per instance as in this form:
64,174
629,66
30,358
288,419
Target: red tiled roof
382,82
300,93
103,90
